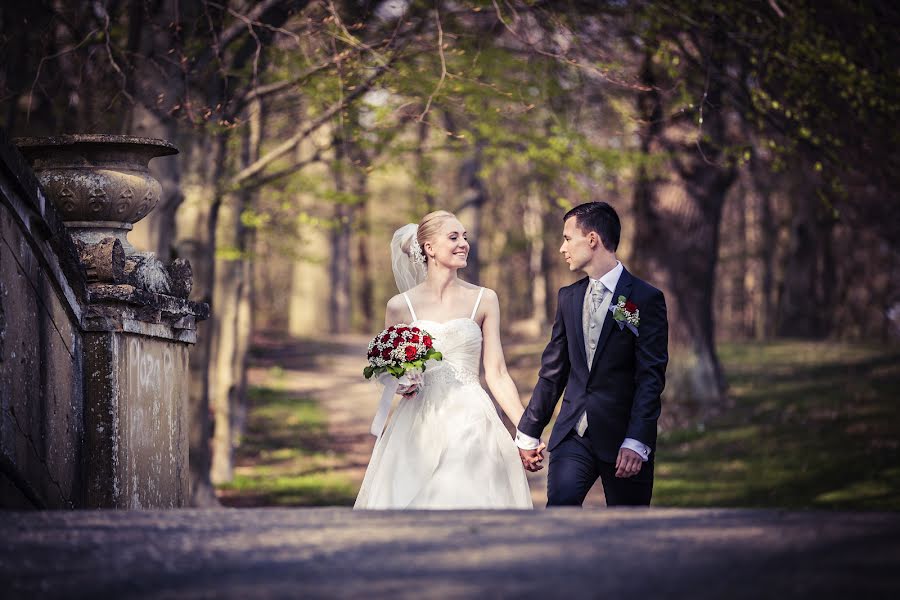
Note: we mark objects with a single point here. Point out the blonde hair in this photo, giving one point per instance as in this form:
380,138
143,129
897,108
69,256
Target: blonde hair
429,227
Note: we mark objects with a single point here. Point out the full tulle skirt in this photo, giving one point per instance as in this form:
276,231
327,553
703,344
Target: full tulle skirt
446,448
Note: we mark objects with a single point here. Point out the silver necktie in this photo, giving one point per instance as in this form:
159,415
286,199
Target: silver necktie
598,292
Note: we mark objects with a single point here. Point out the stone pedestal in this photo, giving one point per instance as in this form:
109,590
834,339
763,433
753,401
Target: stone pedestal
136,387
137,324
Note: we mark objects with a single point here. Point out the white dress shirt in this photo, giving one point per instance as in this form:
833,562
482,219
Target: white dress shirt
592,321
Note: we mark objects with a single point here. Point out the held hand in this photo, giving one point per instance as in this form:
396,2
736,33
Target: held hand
628,463
408,391
531,459
410,384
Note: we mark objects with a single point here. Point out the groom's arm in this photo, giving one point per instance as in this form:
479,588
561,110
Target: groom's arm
551,382
651,358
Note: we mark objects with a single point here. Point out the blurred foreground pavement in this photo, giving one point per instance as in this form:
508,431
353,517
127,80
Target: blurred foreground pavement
635,554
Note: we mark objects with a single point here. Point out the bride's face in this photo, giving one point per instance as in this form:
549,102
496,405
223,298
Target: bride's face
449,247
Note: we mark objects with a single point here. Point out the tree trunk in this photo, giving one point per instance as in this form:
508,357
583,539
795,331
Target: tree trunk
767,237
233,293
804,307
156,82
198,246
339,266
366,284
474,197
533,221
157,231
677,217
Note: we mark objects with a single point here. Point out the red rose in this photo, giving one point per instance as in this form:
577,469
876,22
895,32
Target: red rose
427,341
383,339
397,342
630,306
414,339
386,354
410,352
402,330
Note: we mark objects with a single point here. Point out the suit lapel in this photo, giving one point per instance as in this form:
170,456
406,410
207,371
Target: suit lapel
623,288
576,307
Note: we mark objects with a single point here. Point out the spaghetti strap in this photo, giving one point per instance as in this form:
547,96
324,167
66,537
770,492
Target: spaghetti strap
409,304
477,302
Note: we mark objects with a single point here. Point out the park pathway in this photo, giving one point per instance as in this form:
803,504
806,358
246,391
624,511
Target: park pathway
329,370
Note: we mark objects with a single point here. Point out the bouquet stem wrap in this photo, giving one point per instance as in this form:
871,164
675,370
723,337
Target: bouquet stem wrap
384,405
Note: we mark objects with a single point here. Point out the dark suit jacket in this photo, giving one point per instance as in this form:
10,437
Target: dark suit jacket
621,391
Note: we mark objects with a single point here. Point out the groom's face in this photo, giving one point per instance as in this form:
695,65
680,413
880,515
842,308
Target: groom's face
577,247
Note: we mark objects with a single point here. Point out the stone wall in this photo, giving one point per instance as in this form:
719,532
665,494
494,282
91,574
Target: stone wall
94,371
41,348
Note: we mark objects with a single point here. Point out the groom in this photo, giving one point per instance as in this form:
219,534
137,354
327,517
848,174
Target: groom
608,350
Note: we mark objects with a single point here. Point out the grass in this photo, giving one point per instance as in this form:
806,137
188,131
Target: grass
284,458
814,425
811,425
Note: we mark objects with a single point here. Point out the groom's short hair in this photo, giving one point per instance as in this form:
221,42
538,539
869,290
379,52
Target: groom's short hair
600,218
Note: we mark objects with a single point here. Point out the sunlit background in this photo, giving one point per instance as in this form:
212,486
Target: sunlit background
749,148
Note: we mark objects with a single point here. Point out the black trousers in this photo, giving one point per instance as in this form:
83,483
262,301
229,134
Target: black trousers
574,468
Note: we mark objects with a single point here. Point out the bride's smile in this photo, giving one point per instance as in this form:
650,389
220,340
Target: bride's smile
451,247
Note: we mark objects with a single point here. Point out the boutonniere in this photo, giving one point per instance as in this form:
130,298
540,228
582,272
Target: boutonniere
626,314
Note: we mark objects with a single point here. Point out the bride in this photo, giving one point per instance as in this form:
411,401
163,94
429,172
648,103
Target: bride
445,446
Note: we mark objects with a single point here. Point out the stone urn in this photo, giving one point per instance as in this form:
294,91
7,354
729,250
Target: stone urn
100,184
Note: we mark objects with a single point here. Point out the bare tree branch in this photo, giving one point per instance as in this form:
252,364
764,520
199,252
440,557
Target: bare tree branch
259,182
273,88
251,21
37,73
234,31
289,144
440,83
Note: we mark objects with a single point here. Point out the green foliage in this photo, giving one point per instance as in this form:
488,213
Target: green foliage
815,84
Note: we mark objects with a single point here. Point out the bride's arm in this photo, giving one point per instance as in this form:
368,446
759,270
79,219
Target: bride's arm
498,379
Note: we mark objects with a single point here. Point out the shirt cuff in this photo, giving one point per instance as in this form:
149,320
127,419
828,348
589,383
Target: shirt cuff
632,444
526,442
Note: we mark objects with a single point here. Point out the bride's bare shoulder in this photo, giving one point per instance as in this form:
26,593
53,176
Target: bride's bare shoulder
490,297
396,304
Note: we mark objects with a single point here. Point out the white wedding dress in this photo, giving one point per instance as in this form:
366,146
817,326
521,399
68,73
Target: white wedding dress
446,448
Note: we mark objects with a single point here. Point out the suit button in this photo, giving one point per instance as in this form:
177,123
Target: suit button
592,325
592,345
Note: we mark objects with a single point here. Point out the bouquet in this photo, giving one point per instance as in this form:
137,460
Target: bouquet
397,357
400,350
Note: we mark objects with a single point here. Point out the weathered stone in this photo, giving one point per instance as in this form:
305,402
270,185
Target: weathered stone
103,262
136,421
100,184
182,277
145,272
93,350
41,391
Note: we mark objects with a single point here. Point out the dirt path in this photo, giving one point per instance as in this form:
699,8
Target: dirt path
330,372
